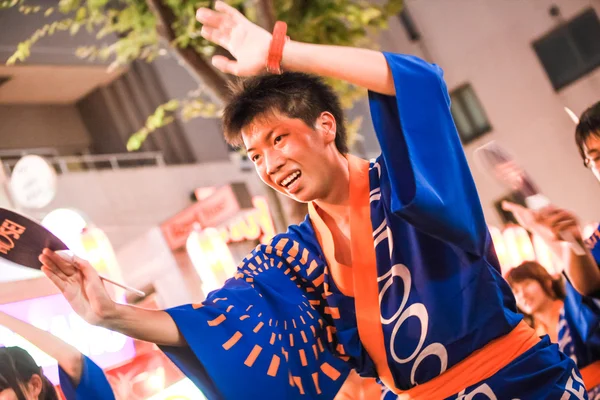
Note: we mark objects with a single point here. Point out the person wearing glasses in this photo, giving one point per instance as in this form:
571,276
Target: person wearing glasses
581,310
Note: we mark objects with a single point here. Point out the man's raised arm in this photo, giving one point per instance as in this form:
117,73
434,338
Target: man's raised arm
249,44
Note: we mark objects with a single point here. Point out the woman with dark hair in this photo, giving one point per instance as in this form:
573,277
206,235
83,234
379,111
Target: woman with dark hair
550,305
22,379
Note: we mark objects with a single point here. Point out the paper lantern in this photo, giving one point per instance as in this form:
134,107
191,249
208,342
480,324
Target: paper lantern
545,257
99,252
211,258
518,246
514,246
67,224
501,250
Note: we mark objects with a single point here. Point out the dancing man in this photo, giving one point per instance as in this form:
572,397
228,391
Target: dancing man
393,273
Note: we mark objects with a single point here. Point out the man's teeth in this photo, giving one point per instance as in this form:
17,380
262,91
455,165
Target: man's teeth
290,178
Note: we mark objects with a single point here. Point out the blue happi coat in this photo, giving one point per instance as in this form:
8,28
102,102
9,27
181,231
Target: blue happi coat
434,295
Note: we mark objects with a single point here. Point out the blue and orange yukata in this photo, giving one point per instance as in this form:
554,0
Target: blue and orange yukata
423,309
579,328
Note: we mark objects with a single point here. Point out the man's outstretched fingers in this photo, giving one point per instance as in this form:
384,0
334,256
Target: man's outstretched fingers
65,266
225,65
89,273
225,8
208,17
58,282
215,36
51,265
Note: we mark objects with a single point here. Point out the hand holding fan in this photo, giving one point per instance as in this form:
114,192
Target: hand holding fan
23,240
497,162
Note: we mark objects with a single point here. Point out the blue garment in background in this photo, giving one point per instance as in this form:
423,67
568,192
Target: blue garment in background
579,324
92,386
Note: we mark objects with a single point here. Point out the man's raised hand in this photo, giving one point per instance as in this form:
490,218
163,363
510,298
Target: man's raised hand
550,223
230,29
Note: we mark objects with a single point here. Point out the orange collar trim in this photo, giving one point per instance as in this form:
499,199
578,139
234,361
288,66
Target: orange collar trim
477,367
361,278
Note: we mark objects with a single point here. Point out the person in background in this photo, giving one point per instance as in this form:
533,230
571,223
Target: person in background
580,308
22,379
549,222
543,298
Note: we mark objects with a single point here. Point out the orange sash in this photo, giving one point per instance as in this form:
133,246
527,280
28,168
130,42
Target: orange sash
480,365
591,375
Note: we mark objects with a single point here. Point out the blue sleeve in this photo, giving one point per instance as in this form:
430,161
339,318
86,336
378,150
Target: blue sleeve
264,334
430,182
582,314
92,386
593,244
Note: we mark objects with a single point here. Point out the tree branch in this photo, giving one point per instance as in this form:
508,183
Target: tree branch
214,83
265,13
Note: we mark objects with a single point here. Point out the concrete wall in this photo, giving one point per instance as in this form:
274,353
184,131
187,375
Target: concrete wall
489,44
128,203
147,260
204,135
57,126
115,111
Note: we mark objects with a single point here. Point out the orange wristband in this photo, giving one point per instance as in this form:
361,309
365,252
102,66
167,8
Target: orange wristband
276,48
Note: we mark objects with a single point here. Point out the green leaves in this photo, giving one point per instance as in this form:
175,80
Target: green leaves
10,3
198,107
66,6
132,22
337,22
24,48
163,115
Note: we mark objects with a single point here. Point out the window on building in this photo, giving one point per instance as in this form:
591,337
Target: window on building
468,114
571,50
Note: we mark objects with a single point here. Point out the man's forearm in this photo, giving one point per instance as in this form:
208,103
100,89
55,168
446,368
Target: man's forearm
583,272
154,326
362,67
